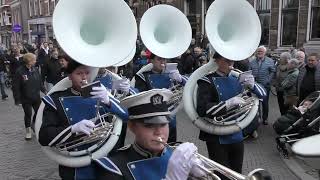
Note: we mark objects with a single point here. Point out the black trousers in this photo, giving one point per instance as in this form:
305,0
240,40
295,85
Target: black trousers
27,108
229,155
283,108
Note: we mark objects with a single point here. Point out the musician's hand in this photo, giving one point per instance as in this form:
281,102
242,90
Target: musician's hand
122,85
235,101
247,80
196,171
175,75
84,126
101,93
181,162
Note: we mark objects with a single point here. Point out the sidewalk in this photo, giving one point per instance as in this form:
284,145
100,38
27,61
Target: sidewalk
301,169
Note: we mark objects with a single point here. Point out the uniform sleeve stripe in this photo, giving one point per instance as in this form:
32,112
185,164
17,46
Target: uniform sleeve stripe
49,101
184,78
261,90
141,76
109,165
60,136
205,79
114,102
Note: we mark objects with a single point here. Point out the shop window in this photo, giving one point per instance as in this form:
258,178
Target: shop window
191,6
263,9
289,22
315,20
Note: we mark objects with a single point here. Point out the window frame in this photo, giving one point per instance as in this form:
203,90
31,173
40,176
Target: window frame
281,15
312,7
266,11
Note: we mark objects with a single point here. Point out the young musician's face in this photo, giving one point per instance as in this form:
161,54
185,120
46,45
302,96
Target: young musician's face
159,64
146,135
224,65
79,77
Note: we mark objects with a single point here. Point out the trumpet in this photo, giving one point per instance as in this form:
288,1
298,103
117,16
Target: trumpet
208,166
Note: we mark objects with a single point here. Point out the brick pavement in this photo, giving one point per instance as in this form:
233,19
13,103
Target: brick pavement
20,159
24,160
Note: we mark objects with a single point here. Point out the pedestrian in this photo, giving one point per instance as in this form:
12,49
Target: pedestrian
51,71
281,74
26,86
263,70
309,77
289,85
2,74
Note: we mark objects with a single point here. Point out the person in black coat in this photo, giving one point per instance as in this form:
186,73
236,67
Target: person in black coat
43,54
27,85
2,73
51,70
15,59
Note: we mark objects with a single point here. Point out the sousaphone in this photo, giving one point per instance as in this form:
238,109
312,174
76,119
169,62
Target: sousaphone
233,29
92,34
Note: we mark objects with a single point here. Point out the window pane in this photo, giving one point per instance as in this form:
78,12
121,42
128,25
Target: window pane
290,3
265,22
192,6
315,30
263,5
316,2
289,28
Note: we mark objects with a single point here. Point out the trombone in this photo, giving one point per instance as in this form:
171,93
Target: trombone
209,166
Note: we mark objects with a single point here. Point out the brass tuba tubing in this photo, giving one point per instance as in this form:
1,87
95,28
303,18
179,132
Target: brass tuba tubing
257,174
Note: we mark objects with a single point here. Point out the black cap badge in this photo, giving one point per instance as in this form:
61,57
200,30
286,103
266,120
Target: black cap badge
156,100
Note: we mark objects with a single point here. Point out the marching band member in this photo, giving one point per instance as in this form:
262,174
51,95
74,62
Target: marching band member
66,115
116,86
147,158
217,93
158,78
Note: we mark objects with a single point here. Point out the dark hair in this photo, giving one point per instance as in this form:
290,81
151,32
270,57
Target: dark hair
152,56
217,56
315,54
65,56
72,65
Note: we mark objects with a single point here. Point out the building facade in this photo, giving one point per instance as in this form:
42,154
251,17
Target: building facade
5,23
285,23
40,20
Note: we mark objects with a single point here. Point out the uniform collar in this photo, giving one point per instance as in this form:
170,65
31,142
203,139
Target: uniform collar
75,92
143,152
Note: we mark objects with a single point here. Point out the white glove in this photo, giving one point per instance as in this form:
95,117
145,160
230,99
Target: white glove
196,171
234,102
122,85
181,162
101,93
175,75
84,126
247,80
